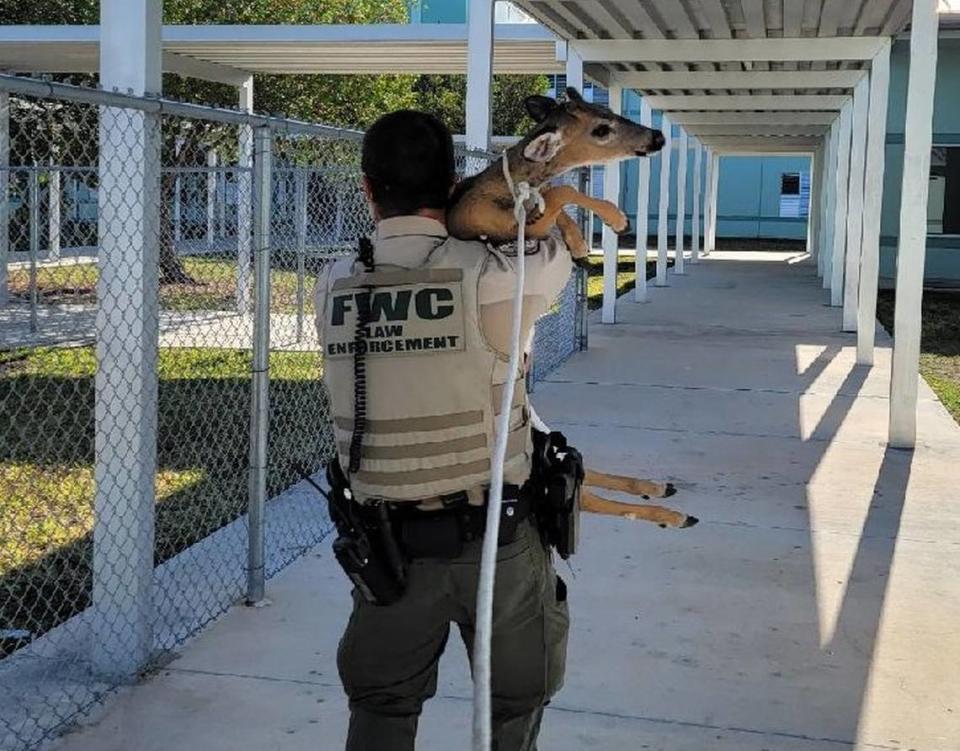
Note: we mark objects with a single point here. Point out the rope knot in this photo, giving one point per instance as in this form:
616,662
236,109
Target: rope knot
524,195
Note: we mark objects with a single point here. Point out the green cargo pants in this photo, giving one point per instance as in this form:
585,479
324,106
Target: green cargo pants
388,655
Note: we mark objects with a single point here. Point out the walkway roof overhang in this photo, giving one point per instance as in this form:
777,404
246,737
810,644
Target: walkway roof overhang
229,54
742,75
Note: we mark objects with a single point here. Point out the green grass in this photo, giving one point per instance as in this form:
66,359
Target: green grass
47,449
626,279
215,287
939,343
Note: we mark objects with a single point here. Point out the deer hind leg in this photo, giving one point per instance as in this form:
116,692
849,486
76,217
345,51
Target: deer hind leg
665,517
632,485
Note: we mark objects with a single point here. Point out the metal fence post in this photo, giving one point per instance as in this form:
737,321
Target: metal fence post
260,395
177,194
244,217
300,177
34,198
4,192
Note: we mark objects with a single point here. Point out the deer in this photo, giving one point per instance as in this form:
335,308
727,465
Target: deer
568,134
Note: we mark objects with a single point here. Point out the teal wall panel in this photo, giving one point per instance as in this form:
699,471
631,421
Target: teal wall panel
943,253
748,191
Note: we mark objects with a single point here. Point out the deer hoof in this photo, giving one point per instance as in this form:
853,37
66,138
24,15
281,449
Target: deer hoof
690,521
625,228
670,490
583,263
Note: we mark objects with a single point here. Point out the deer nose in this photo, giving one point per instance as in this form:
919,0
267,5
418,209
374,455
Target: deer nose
657,140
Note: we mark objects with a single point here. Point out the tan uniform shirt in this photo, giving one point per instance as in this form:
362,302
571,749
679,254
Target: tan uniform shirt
406,241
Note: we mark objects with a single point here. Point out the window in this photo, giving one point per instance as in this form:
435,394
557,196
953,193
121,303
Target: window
943,204
794,194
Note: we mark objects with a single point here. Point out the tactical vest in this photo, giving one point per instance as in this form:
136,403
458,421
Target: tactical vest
433,383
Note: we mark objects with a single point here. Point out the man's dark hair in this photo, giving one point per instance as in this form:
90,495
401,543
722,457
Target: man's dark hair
408,161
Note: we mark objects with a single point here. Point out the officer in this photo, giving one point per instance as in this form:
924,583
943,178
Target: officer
415,334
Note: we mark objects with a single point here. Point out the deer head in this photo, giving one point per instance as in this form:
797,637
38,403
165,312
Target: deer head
574,133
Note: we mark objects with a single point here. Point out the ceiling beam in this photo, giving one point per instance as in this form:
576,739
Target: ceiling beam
774,79
727,50
747,102
758,142
766,151
751,129
756,118
191,67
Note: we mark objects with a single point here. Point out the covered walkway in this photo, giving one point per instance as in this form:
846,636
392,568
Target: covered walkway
815,606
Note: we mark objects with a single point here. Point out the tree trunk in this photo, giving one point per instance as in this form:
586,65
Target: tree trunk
171,267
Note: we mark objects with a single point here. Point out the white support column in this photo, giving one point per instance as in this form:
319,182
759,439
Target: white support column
872,200
829,207
211,196
662,211
679,228
53,214
711,239
244,200
918,134
708,183
611,192
574,70
479,74
695,225
821,199
4,191
858,146
127,330
838,256
813,216
643,212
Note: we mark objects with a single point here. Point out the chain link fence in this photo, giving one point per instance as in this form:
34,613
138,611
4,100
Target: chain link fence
160,392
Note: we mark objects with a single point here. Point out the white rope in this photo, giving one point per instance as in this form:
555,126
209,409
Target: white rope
522,194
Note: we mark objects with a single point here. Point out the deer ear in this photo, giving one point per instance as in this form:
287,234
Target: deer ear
573,95
544,147
539,107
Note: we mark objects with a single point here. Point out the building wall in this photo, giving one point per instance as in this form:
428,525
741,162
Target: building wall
748,193
439,11
943,252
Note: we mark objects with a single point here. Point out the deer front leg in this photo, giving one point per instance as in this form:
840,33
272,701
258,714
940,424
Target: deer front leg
555,199
632,485
579,249
661,515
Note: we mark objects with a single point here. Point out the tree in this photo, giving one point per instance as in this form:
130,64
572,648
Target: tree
353,101
445,96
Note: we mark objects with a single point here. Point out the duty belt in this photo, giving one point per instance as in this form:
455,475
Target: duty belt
441,533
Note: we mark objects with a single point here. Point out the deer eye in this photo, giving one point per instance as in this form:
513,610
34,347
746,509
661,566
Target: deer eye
601,131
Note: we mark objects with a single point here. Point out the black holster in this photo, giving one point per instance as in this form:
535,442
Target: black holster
366,547
555,482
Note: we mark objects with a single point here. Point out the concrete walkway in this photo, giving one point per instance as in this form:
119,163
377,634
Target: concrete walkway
815,607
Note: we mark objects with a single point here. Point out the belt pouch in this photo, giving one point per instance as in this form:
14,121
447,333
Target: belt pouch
509,521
